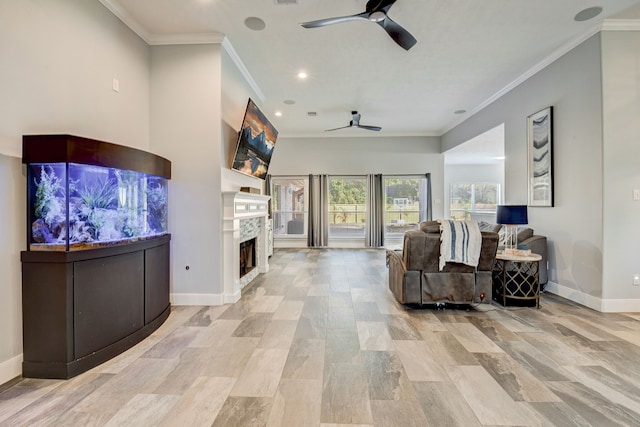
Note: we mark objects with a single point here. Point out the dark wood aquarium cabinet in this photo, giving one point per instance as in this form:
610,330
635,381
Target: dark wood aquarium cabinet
95,277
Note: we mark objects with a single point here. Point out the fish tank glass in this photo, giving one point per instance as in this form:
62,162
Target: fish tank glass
77,206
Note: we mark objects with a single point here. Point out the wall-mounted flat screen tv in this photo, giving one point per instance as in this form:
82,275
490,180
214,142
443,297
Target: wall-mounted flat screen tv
255,143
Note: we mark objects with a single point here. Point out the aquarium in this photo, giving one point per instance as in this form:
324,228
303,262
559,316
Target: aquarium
78,206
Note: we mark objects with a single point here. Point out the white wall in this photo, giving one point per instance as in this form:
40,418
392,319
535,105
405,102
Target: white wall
573,86
186,128
621,113
361,156
58,62
13,232
59,59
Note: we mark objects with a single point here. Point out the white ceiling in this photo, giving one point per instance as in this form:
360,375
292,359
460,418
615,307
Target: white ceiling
468,52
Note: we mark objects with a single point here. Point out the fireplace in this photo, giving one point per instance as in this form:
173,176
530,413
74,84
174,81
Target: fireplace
247,256
245,244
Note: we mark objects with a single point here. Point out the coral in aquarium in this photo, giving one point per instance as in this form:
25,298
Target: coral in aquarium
157,204
49,207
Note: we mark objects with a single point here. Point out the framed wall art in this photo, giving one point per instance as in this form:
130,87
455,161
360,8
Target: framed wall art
540,152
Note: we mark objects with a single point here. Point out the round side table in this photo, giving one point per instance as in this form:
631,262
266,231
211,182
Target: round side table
516,277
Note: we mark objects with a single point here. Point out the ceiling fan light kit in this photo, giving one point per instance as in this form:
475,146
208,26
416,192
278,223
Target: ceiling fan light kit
375,11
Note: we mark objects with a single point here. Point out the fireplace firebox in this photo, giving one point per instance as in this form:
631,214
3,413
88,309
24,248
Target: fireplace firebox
247,256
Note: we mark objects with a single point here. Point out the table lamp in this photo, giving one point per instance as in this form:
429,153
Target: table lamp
511,216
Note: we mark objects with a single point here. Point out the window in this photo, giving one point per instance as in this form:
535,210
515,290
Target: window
406,203
347,206
289,201
475,201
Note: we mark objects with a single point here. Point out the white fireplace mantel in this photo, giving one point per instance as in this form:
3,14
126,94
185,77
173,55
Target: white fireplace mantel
238,206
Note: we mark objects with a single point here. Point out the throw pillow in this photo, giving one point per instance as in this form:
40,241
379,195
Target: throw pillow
524,233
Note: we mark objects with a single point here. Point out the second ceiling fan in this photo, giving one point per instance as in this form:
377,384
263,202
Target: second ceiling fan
375,11
355,123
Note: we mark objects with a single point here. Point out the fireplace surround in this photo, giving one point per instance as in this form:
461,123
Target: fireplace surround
245,217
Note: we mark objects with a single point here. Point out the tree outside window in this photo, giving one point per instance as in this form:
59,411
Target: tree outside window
347,206
477,201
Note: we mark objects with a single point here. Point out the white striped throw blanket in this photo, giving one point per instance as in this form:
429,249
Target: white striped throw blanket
460,241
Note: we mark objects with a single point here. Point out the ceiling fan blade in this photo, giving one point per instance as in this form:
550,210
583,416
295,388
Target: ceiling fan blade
343,127
329,21
398,34
373,128
379,5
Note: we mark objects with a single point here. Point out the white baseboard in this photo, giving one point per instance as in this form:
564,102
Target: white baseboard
621,306
574,295
9,369
196,299
596,303
232,299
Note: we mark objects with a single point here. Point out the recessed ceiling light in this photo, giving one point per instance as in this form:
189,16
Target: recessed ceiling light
302,75
278,113
459,111
289,101
255,24
588,13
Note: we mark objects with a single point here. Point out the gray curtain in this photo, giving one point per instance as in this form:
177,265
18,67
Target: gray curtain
374,233
318,230
267,192
425,197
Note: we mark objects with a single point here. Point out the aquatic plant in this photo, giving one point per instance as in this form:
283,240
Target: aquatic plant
47,193
100,195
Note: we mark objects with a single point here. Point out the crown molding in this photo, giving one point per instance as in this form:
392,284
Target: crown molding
178,39
175,39
126,18
228,47
621,25
159,39
606,25
552,57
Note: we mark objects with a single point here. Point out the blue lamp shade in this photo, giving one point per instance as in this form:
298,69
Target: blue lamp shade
512,214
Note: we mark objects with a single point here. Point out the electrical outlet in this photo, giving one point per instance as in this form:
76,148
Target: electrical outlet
636,279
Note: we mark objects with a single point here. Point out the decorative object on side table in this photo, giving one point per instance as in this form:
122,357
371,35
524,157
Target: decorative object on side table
511,216
540,151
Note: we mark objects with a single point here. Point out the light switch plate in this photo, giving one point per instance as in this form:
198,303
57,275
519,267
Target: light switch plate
636,194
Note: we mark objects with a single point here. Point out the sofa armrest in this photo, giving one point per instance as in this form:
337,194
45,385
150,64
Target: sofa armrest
403,284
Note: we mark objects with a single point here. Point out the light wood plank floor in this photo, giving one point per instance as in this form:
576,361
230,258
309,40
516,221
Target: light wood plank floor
320,341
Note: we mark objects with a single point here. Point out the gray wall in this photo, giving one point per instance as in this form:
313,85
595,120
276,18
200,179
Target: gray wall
59,59
621,118
573,86
235,94
186,128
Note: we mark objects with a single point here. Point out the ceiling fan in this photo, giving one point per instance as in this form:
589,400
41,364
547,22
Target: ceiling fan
376,11
355,123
